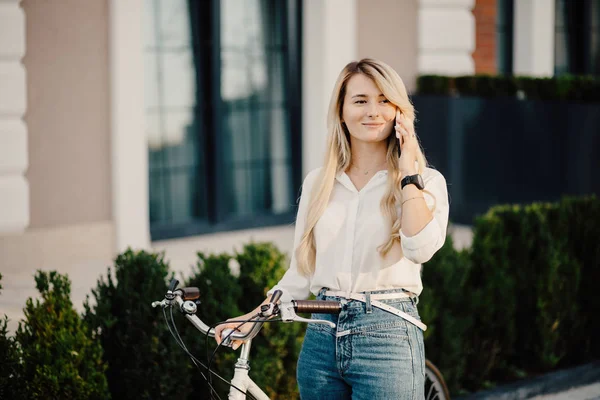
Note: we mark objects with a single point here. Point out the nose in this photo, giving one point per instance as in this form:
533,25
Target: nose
373,111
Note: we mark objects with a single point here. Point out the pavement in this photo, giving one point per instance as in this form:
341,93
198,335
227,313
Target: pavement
587,392
578,383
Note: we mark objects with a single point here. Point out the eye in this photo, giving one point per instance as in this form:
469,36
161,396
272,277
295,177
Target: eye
360,101
385,101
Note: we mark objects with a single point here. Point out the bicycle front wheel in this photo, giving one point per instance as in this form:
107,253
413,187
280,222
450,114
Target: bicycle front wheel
435,386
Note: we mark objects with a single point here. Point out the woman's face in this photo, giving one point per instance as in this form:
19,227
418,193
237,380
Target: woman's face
368,115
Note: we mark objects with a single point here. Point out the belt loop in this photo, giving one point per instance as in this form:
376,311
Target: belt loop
415,300
322,291
369,309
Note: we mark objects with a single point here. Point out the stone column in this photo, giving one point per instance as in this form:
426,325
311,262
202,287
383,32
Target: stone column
129,146
14,188
446,30
533,50
329,43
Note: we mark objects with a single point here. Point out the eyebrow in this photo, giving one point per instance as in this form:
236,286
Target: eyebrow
364,95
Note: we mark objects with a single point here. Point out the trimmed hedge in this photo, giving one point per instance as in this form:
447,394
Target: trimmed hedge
578,88
521,300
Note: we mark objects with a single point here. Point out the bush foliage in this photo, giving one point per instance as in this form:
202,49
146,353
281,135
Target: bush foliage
585,89
144,362
10,365
60,358
520,301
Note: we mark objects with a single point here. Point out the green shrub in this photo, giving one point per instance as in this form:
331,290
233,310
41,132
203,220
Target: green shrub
521,301
10,365
530,265
278,346
445,307
220,294
576,222
565,87
144,361
61,359
433,84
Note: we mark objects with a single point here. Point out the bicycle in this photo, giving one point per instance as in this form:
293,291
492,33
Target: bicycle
242,385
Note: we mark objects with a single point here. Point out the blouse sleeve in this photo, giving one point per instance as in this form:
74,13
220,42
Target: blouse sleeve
423,245
294,285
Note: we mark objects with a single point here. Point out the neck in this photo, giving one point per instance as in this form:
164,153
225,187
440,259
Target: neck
367,156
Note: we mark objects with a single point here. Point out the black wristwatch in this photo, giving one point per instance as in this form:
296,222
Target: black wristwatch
412,180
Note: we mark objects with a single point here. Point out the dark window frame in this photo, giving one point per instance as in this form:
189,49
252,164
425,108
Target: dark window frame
206,32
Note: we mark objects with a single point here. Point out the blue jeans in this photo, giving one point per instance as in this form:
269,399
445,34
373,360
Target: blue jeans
372,355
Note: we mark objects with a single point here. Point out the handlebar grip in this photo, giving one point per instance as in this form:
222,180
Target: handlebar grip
189,293
317,306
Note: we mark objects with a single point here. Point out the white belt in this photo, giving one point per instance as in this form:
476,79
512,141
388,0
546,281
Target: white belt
381,296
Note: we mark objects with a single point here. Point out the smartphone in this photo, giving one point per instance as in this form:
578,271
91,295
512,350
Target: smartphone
396,139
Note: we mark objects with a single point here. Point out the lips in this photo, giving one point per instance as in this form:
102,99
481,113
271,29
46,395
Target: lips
371,125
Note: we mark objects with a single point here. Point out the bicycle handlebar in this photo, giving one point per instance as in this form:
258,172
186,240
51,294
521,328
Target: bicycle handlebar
287,310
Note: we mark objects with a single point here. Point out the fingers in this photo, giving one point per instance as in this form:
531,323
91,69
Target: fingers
400,130
218,331
404,130
219,334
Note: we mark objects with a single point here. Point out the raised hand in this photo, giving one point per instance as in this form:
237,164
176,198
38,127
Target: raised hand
405,132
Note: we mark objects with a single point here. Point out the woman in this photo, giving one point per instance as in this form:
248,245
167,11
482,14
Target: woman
366,222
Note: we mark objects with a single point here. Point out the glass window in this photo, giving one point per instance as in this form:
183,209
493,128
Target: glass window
577,37
504,36
222,86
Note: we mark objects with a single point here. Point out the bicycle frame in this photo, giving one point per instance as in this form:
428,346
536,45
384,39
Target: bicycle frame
241,380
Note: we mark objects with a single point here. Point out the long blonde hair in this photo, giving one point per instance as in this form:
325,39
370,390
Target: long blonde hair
338,157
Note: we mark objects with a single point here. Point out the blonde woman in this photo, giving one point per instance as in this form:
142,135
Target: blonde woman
366,222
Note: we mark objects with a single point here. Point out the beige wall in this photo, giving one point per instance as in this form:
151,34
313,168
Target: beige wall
387,30
69,174
83,252
68,111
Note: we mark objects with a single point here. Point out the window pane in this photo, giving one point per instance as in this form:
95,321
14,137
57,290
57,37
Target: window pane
561,39
504,36
594,49
151,79
175,152
149,24
174,23
178,83
219,137
256,137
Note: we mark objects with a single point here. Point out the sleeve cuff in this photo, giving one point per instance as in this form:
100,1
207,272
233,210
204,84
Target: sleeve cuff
428,234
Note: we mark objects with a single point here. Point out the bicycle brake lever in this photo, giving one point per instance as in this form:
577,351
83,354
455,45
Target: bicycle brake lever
314,321
288,314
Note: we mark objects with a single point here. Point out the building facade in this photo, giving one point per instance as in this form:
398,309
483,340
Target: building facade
184,126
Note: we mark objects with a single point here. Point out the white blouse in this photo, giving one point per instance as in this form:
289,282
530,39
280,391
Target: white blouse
352,228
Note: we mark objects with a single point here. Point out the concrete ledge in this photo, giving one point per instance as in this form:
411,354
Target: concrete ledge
550,383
